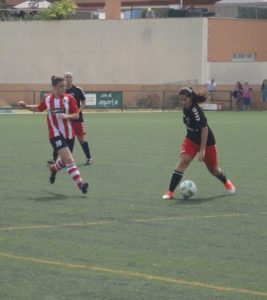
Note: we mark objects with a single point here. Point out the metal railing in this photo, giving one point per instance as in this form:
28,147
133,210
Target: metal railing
252,12
29,14
162,100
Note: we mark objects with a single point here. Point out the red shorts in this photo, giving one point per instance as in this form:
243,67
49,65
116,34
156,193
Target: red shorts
191,149
79,128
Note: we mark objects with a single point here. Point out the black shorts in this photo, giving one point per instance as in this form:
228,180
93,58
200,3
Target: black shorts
60,142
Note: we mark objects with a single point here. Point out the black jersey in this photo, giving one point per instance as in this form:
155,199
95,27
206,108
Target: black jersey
79,96
195,120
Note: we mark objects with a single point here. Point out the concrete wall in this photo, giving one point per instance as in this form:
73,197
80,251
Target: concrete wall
227,72
229,36
114,52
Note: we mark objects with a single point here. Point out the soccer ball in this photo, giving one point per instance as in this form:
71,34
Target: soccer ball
188,189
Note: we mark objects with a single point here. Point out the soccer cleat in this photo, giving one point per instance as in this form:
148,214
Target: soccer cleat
230,187
89,162
51,161
52,177
168,195
84,188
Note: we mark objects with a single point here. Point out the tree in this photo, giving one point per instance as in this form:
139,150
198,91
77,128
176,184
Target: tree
60,9
2,4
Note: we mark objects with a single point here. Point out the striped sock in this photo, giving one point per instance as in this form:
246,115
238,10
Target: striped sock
176,178
75,174
59,165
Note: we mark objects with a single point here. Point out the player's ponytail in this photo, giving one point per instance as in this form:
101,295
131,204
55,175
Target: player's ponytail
196,98
55,80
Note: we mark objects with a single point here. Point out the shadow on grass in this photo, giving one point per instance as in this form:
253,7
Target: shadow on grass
49,196
193,201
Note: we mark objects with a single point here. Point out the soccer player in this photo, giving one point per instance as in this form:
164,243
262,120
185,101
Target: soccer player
78,125
61,111
199,140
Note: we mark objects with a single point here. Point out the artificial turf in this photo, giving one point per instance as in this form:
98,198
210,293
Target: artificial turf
122,241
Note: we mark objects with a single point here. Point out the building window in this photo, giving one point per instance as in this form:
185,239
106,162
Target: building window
244,57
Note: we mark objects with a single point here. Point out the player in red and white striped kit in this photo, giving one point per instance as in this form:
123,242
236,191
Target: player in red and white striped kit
61,110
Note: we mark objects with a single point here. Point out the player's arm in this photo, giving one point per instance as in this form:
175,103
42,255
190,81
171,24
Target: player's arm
29,107
74,111
82,98
82,107
74,116
204,138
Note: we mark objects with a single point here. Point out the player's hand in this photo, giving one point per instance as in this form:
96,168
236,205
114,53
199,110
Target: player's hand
22,104
201,155
64,116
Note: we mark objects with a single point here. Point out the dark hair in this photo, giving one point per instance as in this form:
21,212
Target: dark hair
56,79
196,98
239,85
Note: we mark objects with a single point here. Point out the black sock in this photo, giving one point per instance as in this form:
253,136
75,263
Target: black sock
86,149
222,178
55,155
176,178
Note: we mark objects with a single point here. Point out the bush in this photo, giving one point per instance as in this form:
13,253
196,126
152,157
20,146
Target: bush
59,10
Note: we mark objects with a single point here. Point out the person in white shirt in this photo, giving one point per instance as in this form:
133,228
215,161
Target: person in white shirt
211,87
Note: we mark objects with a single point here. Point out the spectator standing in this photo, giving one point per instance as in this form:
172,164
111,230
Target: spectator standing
246,95
237,94
150,14
264,93
211,87
264,90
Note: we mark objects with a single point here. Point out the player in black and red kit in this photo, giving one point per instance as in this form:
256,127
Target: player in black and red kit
78,125
199,140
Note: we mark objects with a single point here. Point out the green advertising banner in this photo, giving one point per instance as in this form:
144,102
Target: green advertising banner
103,99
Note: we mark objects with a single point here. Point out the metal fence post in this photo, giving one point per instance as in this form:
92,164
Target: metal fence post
163,101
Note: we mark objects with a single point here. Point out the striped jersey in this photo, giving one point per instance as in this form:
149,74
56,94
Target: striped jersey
195,120
55,108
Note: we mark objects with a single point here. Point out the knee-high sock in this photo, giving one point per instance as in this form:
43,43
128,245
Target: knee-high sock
59,165
74,174
222,178
86,149
176,178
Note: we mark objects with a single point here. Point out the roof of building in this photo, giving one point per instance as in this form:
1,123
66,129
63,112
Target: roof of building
234,2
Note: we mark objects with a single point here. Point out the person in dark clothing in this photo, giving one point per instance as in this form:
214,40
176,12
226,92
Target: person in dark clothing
237,93
199,140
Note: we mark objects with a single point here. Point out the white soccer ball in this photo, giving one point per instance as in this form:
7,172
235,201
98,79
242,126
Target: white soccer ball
188,189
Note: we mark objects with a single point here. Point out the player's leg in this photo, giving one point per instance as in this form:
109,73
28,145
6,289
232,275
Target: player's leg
80,132
68,161
188,152
211,161
65,160
54,159
56,164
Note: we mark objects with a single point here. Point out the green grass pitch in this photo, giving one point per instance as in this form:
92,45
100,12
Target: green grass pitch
122,241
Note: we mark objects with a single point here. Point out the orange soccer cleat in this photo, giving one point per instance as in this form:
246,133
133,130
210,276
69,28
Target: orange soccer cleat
168,195
230,187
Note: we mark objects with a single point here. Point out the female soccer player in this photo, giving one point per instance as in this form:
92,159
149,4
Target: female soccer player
61,110
199,139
